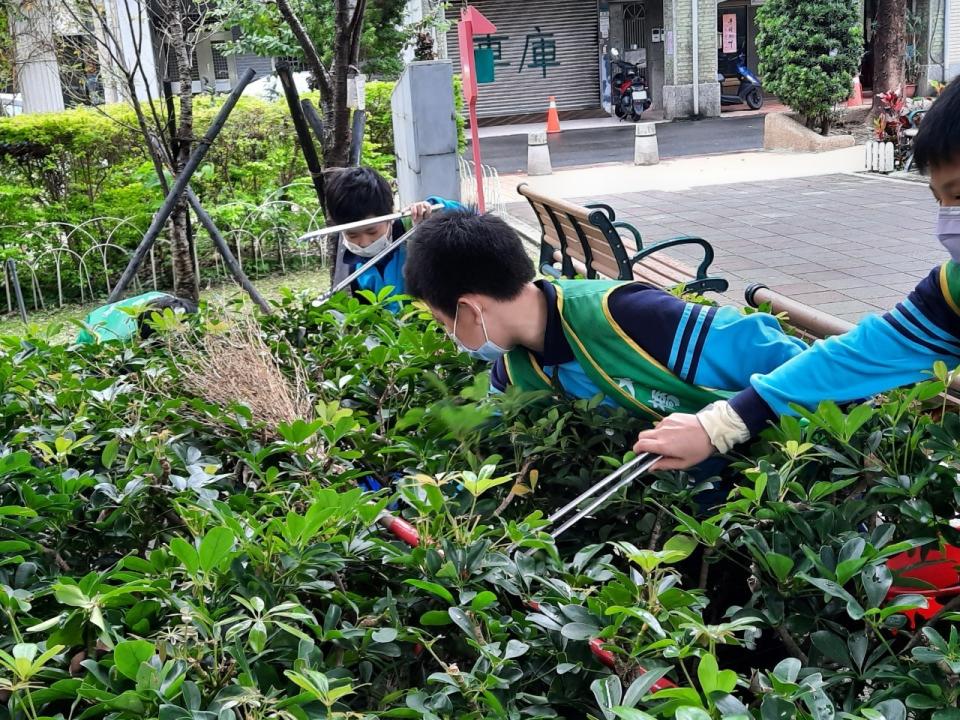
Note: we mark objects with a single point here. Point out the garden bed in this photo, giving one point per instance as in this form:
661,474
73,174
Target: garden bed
165,556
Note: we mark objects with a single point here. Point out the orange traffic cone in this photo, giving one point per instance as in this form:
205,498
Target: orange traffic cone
856,97
553,120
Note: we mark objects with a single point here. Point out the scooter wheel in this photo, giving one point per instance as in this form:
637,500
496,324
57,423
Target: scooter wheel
754,99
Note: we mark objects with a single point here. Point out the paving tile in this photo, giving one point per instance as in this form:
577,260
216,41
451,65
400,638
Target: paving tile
849,245
795,289
874,293
821,297
845,307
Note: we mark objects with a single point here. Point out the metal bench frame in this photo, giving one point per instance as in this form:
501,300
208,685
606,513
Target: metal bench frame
603,219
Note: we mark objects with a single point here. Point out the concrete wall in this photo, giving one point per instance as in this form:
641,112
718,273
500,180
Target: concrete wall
38,74
678,87
425,132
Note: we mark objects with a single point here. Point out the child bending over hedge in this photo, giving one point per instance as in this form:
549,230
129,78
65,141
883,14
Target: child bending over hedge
641,347
879,354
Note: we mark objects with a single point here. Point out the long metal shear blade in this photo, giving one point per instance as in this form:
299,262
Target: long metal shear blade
607,488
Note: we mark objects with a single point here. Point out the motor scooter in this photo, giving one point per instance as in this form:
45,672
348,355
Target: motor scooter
631,96
750,91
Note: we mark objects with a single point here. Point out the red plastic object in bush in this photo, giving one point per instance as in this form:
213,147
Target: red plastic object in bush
608,659
400,529
939,569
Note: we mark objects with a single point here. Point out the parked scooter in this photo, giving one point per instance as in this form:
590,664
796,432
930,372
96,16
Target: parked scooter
631,96
750,91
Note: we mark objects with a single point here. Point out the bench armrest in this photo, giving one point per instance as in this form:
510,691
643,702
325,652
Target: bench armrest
607,209
633,231
681,240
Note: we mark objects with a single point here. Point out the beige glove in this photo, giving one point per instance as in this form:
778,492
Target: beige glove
723,426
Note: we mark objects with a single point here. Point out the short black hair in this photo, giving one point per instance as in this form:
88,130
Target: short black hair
938,140
158,305
457,252
356,193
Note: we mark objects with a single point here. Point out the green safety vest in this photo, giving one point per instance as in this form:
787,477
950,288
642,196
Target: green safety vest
623,370
950,284
114,321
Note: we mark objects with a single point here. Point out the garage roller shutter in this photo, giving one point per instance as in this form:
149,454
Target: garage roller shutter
521,89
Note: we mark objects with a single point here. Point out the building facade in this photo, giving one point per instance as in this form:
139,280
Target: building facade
952,38
562,49
61,60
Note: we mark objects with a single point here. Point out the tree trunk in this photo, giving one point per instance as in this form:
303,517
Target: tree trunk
348,22
187,283
346,52
889,48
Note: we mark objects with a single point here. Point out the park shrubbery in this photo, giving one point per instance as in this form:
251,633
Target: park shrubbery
809,52
165,556
86,167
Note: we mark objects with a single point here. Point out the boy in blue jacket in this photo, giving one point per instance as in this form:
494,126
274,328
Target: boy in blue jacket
881,353
358,193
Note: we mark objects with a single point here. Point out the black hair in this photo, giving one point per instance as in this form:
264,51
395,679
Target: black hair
356,193
158,305
457,252
938,140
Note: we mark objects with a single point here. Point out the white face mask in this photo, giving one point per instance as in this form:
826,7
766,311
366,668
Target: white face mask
948,230
488,351
371,250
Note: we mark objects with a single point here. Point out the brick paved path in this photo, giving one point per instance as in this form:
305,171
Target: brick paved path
848,245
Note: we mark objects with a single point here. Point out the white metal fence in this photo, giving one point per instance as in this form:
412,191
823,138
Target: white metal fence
493,198
63,262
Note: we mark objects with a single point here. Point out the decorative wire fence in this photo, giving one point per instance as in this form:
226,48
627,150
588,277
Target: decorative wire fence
493,198
60,263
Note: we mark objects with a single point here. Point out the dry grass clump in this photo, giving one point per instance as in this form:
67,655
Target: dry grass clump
233,365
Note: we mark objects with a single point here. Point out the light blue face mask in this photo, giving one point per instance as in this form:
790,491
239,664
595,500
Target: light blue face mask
948,230
489,351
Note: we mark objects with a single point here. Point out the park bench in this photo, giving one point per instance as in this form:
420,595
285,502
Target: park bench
590,241
810,323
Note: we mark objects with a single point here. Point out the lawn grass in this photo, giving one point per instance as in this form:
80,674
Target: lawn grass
68,316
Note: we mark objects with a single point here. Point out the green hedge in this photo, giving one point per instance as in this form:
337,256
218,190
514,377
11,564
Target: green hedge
87,163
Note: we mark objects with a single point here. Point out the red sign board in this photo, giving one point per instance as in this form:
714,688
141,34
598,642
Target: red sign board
730,33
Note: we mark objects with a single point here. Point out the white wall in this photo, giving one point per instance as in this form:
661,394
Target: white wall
131,27
38,76
953,38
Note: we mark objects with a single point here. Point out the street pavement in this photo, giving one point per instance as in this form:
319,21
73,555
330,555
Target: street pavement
614,143
847,244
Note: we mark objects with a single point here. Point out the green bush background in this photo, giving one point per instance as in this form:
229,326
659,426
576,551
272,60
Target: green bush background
82,164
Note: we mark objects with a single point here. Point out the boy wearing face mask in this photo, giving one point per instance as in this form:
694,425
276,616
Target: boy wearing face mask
641,347
358,193
881,353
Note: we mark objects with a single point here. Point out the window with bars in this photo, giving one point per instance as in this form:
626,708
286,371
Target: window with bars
79,66
296,64
221,68
634,25
173,74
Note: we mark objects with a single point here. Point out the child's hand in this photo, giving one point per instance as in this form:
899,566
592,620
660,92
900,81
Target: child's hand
680,439
420,211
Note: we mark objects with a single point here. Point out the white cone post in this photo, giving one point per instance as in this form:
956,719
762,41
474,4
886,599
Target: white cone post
645,148
538,154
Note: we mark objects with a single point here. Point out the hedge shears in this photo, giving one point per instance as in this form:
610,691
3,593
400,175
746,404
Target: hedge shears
357,225
598,494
